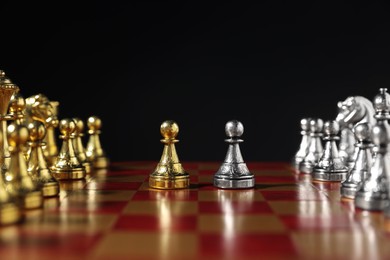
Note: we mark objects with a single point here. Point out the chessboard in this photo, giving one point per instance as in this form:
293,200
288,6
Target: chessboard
113,214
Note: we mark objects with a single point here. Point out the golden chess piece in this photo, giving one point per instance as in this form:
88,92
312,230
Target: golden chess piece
169,173
40,108
18,182
94,150
67,166
78,145
36,164
17,107
10,211
50,137
7,89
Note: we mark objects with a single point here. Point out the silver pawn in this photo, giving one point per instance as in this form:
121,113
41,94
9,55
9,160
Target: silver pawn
373,193
362,162
233,173
304,146
315,146
330,167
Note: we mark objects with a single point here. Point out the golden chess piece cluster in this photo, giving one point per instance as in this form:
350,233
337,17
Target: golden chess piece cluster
169,173
32,168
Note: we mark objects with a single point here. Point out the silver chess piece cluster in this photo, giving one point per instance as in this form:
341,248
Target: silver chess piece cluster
356,151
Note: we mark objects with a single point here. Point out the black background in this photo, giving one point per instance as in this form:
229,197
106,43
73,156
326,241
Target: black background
137,64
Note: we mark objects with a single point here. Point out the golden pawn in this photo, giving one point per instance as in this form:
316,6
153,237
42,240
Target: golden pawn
36,164
94,151
40,108
78,145
67,166
18,181
169,173
17,107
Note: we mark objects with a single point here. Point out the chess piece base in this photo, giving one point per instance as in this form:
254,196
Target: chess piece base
50,189
101,163
234,183
69,185
348,189
306,167
162,182
32,200
348,192
10,214
296,162
323,175
69,174
88,167
362,203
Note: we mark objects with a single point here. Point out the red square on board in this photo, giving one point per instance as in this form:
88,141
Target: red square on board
156,223
258,246
237,207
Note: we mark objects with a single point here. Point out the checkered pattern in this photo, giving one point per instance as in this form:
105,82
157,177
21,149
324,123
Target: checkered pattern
114,215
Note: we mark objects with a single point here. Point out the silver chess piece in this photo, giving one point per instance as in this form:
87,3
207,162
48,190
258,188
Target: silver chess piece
305,141
330,167
382,108
352,111
373,192
233,173
346,145
362,163
315,149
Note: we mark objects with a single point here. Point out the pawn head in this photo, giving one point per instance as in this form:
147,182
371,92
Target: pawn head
362,132
37,131
331,127
169,129
234,128
67,126
380,136
316,125
305,124
17,135
79,125
94,123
